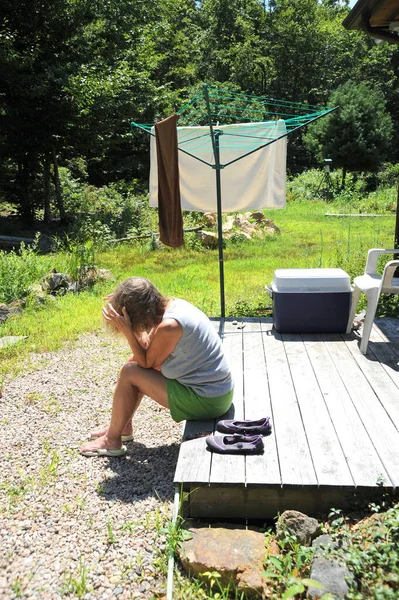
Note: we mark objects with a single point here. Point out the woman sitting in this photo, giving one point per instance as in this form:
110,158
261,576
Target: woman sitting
177,360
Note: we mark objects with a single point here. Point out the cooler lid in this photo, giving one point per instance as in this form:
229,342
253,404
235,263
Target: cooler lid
311,280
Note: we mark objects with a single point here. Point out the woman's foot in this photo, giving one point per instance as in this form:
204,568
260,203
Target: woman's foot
127,433
103,446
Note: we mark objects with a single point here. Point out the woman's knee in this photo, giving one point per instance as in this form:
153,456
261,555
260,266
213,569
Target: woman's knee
147,381
129,372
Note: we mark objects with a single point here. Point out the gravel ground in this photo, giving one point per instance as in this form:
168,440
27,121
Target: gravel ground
71,526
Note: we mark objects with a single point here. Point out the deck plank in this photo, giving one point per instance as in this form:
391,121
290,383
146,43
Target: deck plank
194,460
335,415
390,326
293,449
381,430
228,468
385,351
264,468
384,387
363,460
327,455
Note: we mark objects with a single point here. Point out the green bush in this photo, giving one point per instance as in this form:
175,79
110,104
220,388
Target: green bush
355,196
388,174
107,212
305,186
382,200
18,271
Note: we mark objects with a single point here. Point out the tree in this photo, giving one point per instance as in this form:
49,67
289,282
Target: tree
233,44
38,50
357,135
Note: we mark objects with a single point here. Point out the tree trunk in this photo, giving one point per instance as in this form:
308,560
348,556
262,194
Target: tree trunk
396,237
25,190
396,240
58,191
47,189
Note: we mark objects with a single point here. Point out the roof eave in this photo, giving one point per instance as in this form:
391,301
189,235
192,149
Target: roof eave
359,18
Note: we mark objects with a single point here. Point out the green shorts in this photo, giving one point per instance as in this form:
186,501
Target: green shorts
185,404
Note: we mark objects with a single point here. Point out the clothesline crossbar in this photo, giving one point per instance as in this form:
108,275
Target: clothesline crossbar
276,139
196,137
215,93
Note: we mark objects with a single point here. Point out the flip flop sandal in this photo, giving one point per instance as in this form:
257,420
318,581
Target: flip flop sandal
125,438
235,444
259,427
104,452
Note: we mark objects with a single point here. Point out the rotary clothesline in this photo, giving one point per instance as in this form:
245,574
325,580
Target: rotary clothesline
210,109
230,135
258,183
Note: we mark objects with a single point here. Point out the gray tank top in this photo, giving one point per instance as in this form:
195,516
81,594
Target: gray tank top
197,360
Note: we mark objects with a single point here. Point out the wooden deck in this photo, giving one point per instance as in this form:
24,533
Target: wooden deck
335,416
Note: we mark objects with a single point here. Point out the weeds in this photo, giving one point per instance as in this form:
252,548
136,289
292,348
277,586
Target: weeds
288,571
48,472
111,538
49,405
76,585
217,590
370,549
17,588
130,526
18,270
16,491
80,257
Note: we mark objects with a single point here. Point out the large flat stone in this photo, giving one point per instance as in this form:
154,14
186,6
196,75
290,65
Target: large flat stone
236,554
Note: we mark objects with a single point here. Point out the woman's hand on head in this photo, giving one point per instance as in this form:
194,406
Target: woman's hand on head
120,322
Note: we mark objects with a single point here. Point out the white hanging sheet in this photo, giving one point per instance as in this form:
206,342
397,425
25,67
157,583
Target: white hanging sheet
254,182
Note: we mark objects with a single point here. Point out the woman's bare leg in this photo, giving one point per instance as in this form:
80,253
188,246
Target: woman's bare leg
127,430
133,382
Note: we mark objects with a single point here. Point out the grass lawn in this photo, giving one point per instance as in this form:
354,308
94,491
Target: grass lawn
308,239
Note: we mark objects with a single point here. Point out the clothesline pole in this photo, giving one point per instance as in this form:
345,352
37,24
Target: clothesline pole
220,229
295,122
216,151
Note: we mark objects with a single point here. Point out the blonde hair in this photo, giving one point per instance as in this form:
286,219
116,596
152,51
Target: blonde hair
144,304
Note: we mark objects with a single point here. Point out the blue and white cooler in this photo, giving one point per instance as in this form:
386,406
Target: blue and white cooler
311,300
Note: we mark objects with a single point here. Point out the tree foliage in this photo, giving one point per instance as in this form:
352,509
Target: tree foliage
357,135
74,73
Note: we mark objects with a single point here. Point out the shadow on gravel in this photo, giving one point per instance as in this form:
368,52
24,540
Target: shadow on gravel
141,473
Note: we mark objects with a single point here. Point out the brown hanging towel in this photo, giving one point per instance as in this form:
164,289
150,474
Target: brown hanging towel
169,207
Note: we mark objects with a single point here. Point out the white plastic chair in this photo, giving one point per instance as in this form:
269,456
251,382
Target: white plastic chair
373,285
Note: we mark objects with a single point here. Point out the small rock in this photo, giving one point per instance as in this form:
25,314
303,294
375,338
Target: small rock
208,238
210,219
9,340
270,227
6,311
296,523
257,216
118,591
56,283
332,576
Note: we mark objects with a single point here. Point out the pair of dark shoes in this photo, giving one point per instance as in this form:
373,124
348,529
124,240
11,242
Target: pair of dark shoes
259,427
245,437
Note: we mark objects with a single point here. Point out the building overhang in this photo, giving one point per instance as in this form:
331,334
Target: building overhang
378,18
